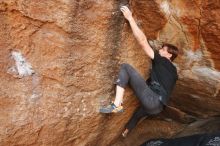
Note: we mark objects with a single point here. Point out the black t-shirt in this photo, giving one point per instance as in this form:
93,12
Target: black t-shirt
164,72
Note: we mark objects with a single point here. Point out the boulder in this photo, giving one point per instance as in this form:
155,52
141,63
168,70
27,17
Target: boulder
59,60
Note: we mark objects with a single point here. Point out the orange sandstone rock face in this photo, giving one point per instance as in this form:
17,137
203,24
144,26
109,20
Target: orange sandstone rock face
59,60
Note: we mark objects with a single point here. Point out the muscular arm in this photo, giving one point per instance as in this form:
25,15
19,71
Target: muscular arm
138,34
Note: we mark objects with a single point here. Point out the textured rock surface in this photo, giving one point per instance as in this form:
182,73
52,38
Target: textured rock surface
66,58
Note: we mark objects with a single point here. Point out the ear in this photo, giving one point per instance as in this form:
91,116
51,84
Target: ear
169,55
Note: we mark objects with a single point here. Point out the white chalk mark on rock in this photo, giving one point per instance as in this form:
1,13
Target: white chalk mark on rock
194,56
165,7
23,68
207,72
169,10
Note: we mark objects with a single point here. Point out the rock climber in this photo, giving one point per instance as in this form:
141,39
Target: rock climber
153,93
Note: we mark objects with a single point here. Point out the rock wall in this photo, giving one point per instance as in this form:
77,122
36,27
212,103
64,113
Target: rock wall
59,60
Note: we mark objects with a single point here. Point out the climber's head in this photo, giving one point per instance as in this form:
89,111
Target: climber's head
169,51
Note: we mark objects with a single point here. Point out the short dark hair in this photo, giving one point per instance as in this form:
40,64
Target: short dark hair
172,50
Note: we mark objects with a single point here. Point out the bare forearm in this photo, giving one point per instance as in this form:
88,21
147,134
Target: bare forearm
138,33
141,38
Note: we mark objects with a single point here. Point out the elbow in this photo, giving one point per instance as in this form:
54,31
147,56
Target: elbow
143,41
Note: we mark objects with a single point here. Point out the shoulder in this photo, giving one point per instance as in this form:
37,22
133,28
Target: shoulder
156,56
174,70
176,73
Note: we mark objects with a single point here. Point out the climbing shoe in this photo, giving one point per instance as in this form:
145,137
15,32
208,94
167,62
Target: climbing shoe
111,109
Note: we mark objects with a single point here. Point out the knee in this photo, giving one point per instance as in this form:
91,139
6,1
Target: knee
125,65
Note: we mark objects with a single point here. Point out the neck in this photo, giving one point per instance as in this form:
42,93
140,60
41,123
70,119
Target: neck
168,59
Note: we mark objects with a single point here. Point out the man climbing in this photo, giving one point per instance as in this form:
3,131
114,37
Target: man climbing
153,93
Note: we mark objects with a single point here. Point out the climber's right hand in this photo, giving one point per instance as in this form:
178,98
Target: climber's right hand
126,12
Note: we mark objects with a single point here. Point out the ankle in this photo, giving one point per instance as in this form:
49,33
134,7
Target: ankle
125,133
116,104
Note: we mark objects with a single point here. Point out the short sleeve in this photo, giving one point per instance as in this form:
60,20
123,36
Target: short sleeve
157,56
